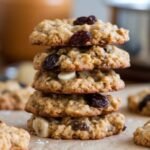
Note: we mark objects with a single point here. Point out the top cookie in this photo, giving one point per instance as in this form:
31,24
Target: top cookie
82,31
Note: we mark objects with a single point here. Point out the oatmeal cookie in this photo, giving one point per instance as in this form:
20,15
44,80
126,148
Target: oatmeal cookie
77,128
83,58
74,32
142,135
12,138
9,85
95,81
55,105
140,102
13,96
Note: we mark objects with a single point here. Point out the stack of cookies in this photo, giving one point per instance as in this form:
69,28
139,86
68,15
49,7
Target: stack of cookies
74,74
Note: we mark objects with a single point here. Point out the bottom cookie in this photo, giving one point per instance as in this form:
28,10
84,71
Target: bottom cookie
82,128
142,135
12,138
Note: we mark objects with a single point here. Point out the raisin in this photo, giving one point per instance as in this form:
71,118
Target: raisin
80,21
84,49
124,128
143,103
50,62
45,94
22,85
91,20
97,100
85,20
105,49
80,38
76,125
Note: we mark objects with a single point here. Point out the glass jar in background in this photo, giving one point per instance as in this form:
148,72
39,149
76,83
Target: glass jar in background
17,20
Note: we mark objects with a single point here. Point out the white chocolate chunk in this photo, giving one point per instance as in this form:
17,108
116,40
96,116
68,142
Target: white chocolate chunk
66,75
40,126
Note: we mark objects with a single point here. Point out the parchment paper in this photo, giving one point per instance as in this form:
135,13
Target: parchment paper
118,142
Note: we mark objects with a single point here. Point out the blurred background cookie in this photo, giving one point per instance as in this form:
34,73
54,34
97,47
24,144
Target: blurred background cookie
13,138
14,95
142,135
140,102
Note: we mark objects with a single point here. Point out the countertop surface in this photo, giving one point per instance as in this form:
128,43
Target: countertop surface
118,142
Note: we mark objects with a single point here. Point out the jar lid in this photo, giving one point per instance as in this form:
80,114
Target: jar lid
129,4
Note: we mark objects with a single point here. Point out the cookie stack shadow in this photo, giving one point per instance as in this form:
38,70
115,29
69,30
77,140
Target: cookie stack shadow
73,77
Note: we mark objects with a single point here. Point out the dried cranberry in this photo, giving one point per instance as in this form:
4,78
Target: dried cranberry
76,125
85,20
50,62
97,100
143,103
80,38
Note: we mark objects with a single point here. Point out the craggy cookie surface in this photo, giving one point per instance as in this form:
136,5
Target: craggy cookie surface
77,82
142,135
83,58
77,32
13,96
140,102
78,128
55,105
12,138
